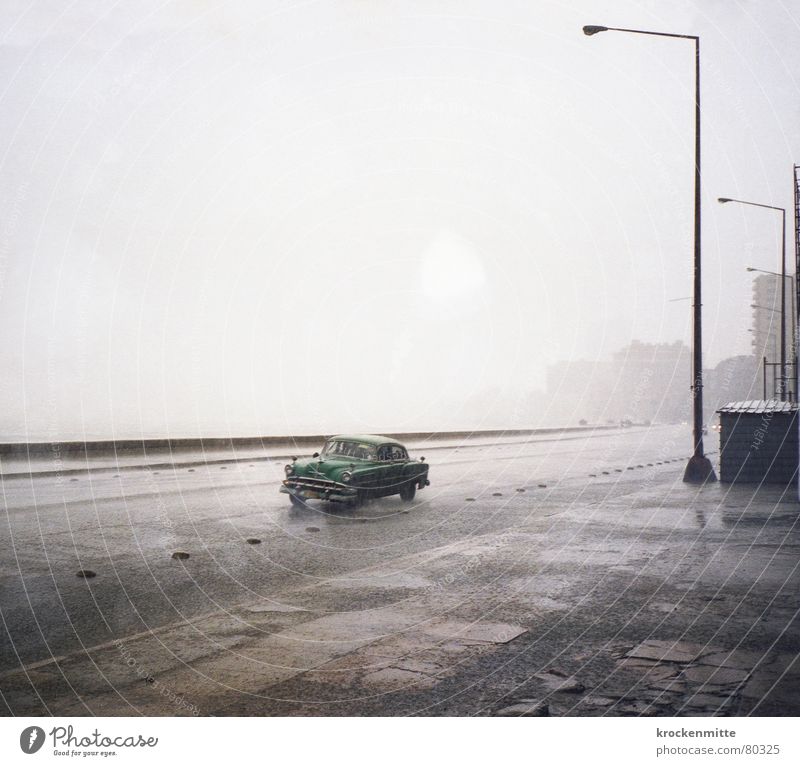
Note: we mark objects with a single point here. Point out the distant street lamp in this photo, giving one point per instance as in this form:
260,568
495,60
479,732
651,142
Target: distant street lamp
699,468
782,377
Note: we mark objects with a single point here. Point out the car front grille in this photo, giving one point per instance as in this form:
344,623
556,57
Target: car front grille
317,485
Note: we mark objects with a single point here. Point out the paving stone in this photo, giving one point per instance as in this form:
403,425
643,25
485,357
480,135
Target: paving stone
398,678
488,632
759,686
709,701
670,685
348,669
556,683
525,708
417,665
716,676
356,628
403,644
738,658
637,663
667,651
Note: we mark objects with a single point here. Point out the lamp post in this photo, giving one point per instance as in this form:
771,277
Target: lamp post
723,200
699,468
790,277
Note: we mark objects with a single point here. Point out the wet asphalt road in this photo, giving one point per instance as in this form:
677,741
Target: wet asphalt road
575,572
126,527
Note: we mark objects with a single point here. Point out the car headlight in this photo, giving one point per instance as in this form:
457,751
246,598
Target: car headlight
346,476
289,470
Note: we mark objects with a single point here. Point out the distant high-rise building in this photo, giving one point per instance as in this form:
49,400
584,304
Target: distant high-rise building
766,329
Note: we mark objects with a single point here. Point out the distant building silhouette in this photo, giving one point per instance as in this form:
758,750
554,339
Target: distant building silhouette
644,382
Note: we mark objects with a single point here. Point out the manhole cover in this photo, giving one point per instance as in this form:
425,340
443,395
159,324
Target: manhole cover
253,541
312,529
86,573
180,555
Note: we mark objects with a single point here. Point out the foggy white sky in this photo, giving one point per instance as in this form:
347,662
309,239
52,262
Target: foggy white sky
322,216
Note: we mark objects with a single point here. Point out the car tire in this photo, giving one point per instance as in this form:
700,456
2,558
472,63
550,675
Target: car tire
297,502
408,492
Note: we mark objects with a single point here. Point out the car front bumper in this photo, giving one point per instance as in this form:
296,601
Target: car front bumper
319,490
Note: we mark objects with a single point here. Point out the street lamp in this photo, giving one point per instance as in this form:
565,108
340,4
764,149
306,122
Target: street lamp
782,210
699,468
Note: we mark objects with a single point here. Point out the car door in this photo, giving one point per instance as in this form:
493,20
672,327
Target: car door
408,469
381,471
394,476
370,470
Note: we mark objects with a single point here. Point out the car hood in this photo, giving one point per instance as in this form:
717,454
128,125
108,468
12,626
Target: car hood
327,468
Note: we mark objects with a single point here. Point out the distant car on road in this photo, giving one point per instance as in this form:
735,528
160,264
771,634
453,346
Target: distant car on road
352,469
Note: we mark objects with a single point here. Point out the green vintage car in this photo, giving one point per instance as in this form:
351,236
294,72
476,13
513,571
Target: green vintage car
352,469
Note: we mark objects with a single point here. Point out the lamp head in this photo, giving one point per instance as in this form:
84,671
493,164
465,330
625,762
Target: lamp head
593,30
723,200
750,268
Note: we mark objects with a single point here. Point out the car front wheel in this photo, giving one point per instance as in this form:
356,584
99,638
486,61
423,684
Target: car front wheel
408,492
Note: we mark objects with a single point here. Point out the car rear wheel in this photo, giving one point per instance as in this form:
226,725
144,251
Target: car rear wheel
408,492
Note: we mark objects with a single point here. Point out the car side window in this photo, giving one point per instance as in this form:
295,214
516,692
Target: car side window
391,452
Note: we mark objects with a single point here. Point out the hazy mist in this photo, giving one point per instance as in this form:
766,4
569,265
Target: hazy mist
284,218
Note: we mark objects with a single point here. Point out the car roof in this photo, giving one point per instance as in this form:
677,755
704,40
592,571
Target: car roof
366,439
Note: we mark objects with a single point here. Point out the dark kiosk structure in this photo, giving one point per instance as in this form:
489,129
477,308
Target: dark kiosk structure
759,442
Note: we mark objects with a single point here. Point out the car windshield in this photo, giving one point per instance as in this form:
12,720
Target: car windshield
353,449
